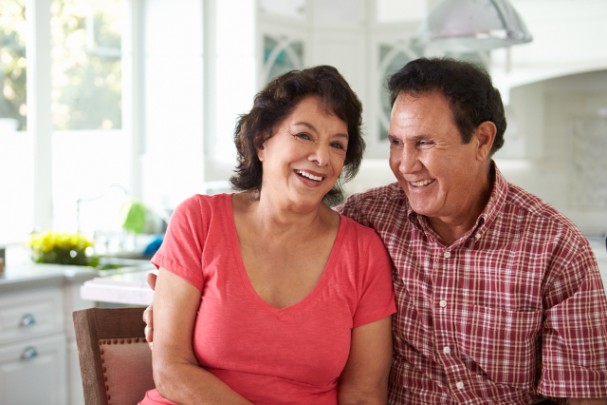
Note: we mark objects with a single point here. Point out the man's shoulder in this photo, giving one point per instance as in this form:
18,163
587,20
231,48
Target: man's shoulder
377,202
391,191
521,202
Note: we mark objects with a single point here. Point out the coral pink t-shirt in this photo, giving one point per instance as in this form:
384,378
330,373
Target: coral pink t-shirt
292,355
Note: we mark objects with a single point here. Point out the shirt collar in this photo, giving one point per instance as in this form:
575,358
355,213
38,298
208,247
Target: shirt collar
496,201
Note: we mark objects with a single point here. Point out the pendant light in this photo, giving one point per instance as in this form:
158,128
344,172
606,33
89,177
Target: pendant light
473,25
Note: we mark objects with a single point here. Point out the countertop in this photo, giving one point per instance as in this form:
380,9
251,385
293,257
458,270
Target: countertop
125,288
27,275
34,275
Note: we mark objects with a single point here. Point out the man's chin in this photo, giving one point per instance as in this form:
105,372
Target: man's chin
420,207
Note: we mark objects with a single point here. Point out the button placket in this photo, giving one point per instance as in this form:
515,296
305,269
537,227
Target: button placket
445,345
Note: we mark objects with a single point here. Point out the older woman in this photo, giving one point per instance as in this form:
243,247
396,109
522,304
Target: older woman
267,295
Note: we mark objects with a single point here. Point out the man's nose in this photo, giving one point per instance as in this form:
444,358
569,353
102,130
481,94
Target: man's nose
409,161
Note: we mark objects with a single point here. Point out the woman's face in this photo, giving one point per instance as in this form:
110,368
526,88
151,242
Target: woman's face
305,155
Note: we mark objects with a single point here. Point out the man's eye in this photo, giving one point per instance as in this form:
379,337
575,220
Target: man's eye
423,142
394,141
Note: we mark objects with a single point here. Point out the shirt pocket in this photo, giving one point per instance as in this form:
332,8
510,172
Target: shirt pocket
503,343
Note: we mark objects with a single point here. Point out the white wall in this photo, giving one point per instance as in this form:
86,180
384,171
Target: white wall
570,170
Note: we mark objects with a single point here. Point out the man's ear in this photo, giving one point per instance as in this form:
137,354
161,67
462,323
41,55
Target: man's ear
485,136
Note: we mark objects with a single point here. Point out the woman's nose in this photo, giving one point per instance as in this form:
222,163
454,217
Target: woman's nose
320,154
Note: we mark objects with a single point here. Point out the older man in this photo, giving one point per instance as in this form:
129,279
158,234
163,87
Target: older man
499,296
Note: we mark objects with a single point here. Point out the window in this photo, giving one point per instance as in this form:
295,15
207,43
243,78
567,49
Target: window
12,65
85,64
16,160
89,152
104,105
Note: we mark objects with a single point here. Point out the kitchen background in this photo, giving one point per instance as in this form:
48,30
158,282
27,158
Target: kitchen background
123,103
186,69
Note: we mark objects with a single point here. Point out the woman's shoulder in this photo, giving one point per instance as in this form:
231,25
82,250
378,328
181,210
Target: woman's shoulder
204,202
358,232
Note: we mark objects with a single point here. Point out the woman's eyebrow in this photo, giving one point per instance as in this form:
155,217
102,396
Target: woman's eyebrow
312,128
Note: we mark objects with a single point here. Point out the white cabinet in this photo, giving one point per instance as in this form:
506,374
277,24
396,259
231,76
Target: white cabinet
33,372
33,347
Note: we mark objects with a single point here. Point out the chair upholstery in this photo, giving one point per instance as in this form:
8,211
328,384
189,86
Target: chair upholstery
115,360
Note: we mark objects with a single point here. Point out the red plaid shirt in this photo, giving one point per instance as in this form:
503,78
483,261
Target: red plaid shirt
512,310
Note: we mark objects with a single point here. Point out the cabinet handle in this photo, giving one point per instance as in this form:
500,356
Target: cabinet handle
29,353
27,320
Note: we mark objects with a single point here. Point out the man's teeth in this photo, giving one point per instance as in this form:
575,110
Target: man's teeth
309,176
421,183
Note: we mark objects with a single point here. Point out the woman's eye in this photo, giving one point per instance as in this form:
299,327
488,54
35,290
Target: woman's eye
338,145
303,135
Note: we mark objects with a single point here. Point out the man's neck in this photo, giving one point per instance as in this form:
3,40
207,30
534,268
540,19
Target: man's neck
451,229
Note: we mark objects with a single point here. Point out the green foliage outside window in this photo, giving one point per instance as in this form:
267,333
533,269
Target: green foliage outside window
12,61
86,73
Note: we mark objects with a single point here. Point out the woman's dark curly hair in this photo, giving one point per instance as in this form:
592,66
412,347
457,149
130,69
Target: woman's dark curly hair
467,87
276,101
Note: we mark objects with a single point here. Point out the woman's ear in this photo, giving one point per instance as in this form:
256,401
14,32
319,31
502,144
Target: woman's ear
260,153
485,135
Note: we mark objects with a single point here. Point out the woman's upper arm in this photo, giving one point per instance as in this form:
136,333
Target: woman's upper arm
176,304
177,375
365,377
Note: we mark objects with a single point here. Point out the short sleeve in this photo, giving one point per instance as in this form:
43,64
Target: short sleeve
181,249
376,299
574,348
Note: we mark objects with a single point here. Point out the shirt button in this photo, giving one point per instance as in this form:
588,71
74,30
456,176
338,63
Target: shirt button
459,385
442,303
446,350
477,236
447,255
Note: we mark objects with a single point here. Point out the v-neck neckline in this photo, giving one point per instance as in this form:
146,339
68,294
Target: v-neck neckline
246,281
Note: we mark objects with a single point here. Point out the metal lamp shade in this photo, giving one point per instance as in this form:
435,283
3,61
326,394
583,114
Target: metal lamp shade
473,25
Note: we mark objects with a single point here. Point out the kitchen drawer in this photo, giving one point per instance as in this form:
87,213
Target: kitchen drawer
30,314
34,372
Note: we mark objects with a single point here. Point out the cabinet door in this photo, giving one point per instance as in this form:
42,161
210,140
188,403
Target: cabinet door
30,314
34,372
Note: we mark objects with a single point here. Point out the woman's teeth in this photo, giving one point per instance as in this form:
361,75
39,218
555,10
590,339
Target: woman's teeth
309,176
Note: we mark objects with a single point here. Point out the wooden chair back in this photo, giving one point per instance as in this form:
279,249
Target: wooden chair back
115,359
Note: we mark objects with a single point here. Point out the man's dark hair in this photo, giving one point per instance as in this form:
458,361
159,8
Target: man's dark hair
467,86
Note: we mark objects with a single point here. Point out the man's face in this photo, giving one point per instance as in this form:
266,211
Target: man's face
443,178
